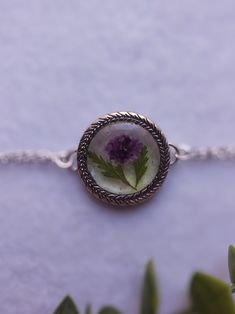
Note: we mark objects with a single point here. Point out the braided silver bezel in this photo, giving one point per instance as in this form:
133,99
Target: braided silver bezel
123,199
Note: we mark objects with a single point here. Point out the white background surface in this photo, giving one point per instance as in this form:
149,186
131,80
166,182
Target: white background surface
62,64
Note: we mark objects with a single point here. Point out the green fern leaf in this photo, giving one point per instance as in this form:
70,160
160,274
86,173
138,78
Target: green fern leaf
108,169
140,165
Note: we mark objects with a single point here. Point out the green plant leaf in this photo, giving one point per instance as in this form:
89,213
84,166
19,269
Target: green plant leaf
140,165
231,263
108,169
109,310
211,295
150,298
88,309
67,306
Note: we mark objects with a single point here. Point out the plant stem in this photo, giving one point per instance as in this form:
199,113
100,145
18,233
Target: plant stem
129,184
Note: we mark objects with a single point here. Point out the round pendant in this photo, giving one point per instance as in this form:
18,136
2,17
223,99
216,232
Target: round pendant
123,158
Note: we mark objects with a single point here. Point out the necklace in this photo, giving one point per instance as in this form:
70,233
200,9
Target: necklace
123,158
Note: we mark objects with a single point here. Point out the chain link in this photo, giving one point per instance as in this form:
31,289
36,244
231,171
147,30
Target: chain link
185,152
66,159
63,159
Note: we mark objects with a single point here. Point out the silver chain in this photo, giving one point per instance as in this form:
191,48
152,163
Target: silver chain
185,152
63,159
66,158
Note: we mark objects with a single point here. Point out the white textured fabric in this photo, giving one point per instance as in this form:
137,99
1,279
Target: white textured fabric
62,64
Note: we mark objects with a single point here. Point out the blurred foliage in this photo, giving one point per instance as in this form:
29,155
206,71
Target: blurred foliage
211,295
208,294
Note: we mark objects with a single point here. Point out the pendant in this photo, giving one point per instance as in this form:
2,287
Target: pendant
123,158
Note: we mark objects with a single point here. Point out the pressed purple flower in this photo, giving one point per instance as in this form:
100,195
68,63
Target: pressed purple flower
123,148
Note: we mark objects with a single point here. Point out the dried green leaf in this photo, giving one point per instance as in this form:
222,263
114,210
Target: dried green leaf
109,310
211,295
140,165
150,298
231,263
108,169
67,306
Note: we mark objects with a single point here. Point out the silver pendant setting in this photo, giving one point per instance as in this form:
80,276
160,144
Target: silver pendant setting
123,158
